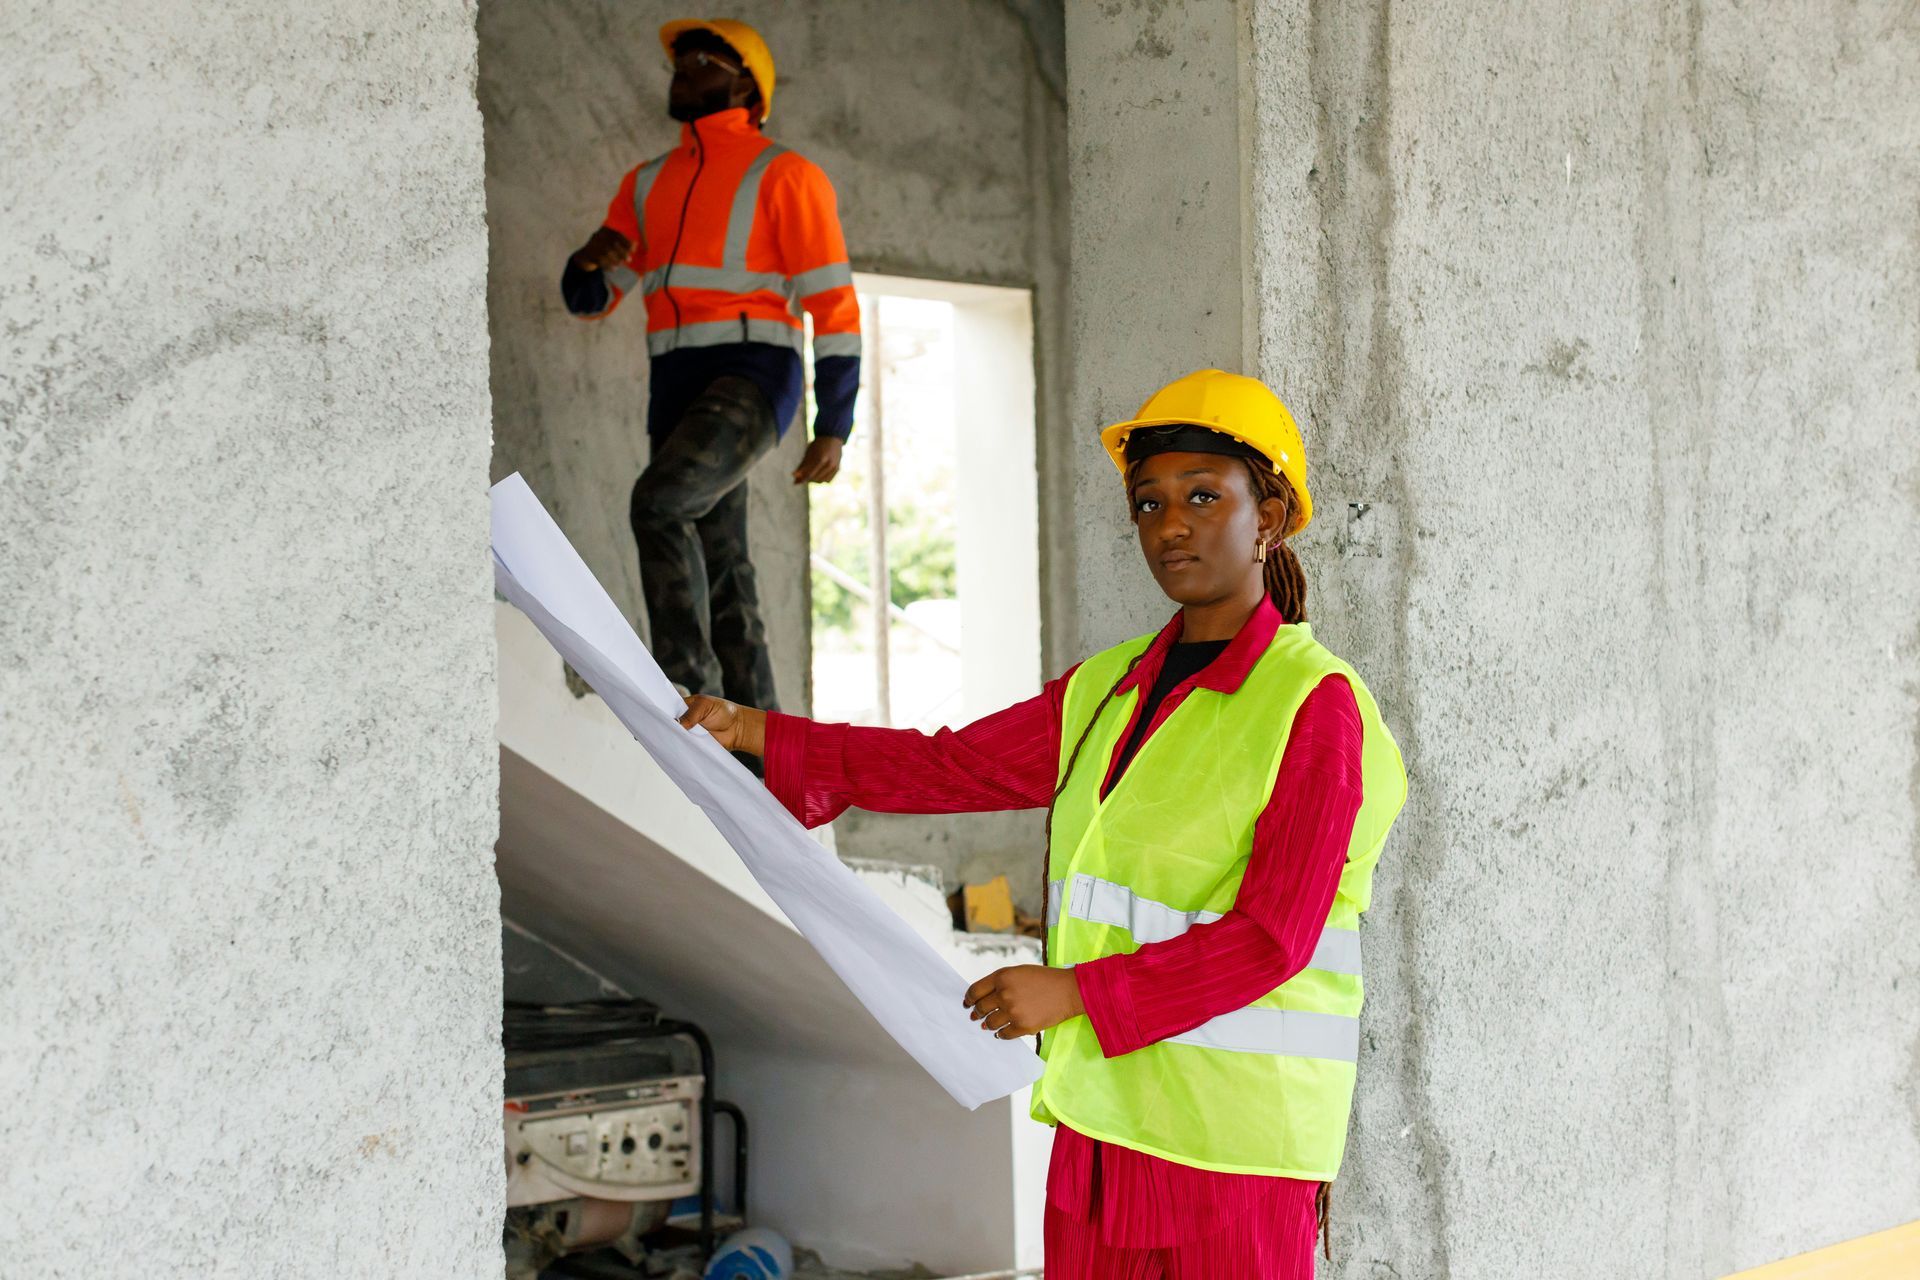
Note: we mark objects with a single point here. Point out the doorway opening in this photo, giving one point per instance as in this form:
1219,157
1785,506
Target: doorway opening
938,499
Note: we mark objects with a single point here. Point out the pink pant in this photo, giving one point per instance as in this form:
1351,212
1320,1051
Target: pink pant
1254,1249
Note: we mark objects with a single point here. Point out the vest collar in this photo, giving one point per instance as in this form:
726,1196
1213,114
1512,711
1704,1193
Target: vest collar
721,128
1226,673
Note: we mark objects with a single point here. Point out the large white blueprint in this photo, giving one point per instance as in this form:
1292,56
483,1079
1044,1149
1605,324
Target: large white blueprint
890,969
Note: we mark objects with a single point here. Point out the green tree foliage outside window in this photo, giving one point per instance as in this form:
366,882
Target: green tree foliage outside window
920,556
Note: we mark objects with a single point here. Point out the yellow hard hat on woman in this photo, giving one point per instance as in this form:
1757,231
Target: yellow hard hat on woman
1232,405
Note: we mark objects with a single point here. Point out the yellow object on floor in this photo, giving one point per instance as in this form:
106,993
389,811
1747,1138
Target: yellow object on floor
1885,1255
989,906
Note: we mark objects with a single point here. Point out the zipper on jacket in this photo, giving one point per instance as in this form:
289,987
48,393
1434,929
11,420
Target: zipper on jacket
673,255
743,326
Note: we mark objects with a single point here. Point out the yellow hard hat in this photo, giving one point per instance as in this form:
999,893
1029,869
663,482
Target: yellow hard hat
1235,406
746,42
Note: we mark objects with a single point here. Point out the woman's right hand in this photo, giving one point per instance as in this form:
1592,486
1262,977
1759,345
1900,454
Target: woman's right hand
733,726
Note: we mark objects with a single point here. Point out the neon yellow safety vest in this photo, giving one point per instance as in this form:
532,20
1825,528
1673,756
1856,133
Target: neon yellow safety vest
1266,1089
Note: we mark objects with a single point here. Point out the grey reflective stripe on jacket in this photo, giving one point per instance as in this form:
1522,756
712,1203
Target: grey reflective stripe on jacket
835,344
746,202
725,279
624,277
643,181
732,275
820,279
718,333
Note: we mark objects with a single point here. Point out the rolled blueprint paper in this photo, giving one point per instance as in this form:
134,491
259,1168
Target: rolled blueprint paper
913,993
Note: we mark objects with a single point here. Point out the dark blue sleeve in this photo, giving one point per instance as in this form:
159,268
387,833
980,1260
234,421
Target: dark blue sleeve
584,292
836,381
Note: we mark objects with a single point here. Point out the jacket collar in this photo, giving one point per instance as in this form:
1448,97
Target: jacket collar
1226,673
732,125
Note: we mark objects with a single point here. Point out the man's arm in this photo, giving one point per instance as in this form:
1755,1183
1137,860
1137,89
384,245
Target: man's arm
602,271
813,252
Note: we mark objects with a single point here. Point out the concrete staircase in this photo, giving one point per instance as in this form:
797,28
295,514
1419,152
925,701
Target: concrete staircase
857,1154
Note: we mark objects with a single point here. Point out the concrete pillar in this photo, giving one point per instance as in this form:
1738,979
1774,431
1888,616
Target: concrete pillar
1597,322
251,1013
1156,160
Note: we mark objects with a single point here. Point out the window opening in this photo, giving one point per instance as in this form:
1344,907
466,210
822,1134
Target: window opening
937,497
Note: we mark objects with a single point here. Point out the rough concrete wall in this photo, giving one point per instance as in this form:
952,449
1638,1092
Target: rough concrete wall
1154,158
940,126
1609,318
246,669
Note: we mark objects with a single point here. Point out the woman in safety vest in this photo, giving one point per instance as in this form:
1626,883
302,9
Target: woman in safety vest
1217,797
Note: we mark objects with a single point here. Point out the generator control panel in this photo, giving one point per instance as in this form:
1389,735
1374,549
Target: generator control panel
638,1140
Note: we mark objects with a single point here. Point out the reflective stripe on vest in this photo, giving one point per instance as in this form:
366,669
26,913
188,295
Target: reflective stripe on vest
1104,902
1286,1033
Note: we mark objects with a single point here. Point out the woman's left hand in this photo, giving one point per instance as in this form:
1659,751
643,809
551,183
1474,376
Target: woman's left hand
1024,999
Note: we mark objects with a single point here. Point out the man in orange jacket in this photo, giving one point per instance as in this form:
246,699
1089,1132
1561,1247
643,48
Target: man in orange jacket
727,238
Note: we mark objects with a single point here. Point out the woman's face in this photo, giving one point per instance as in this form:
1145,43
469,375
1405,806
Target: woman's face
1199,525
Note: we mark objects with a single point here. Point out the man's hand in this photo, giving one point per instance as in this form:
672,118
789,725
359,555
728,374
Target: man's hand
1024,999
733,726
607,248
822,462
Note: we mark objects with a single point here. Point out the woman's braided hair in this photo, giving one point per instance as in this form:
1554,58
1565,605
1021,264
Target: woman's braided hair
1286,580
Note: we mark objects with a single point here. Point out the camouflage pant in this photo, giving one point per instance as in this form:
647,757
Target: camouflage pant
689,516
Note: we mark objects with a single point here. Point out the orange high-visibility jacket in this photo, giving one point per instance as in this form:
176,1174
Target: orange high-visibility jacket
733,236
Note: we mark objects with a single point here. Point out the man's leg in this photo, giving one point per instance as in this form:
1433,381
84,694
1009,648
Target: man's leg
703,460
739,635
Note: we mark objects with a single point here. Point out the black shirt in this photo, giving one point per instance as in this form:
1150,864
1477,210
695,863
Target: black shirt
1184,660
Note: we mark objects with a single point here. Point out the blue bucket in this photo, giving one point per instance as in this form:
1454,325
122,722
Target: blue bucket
753,1254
